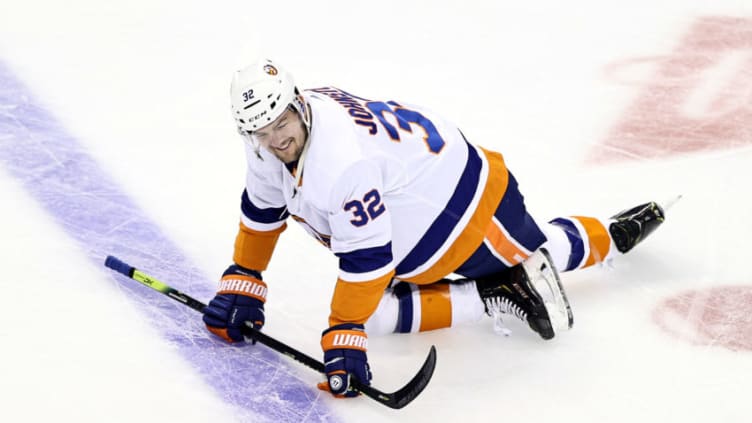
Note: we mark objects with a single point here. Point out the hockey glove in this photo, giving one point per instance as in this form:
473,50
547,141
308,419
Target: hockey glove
240,298
345,357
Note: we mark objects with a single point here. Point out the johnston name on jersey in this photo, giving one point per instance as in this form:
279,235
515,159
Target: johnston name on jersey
395,191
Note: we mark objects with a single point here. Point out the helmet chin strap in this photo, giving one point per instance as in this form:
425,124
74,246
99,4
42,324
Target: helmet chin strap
303,109
301,164
301,159
248,139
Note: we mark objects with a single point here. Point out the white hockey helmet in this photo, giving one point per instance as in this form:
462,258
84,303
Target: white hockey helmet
260,93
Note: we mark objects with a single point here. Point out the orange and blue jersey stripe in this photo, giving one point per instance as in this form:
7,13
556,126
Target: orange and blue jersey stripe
405,316
363,276
259,230
442,227
476,198
512,237
575,241
588,238
261,215
355,302
366,259
423,307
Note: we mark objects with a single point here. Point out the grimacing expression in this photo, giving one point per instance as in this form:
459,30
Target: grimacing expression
284,137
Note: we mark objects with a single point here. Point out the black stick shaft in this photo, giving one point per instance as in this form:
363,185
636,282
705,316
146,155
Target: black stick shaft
397,399
121,267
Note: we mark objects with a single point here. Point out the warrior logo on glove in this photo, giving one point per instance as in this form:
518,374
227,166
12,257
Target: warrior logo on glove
240,298
345,356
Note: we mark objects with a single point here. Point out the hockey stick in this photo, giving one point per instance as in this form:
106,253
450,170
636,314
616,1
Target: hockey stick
397,399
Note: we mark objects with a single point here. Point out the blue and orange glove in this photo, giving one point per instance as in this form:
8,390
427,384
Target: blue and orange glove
345,357
240,299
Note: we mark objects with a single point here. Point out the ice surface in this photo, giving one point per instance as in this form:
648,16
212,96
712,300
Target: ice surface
115,138
92,211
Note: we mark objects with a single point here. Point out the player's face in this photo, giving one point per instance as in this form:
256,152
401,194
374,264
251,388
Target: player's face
285,137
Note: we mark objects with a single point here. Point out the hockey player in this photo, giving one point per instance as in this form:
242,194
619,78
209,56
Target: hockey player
403,200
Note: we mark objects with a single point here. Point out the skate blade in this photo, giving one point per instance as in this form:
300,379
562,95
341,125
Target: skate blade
545,280
670,203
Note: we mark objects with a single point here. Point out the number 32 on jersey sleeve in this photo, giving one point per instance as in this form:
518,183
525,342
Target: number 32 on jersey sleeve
367,209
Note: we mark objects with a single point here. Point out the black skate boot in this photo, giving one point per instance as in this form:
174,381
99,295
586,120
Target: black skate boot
532,292
633,225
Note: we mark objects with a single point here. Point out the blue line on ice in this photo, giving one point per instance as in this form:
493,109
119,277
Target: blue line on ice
78,194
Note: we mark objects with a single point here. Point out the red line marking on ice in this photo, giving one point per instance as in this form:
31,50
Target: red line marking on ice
713,316
698,99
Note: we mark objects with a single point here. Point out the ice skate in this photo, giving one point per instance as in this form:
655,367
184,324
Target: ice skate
633,225
530,291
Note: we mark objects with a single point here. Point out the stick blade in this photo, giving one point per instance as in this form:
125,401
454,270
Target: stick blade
407,393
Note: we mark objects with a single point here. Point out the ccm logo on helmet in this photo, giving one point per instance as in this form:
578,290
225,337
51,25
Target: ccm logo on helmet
257,117
271,70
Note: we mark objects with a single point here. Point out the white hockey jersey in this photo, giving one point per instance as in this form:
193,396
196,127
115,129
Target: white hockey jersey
393,190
